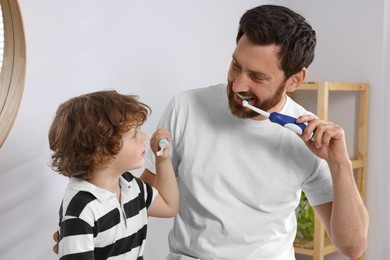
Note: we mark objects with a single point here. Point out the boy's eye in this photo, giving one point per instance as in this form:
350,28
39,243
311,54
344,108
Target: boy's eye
136,131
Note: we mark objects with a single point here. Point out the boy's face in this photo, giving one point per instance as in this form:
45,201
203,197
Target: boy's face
131,156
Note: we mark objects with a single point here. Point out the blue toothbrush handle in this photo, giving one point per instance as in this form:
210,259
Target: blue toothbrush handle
287,122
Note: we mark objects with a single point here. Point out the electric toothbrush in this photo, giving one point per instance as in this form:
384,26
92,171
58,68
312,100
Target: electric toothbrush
286,121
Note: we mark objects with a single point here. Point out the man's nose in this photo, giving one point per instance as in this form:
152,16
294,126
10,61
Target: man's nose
241,83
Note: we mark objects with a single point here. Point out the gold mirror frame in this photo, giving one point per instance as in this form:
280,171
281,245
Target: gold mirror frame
13,70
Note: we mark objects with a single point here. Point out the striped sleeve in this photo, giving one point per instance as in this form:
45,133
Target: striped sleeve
76,235
76,240
148,193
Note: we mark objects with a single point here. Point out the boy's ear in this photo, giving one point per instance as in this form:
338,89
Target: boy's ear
101,162
296,80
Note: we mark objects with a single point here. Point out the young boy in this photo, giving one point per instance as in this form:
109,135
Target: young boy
96,139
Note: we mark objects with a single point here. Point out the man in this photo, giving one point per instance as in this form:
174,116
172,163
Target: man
240,176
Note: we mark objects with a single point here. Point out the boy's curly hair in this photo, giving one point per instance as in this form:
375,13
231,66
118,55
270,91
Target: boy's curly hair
87,130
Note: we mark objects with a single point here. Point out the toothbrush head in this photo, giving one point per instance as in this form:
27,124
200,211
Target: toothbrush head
163,142
246,104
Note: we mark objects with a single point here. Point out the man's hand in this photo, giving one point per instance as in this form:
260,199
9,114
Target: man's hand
55,238
328,141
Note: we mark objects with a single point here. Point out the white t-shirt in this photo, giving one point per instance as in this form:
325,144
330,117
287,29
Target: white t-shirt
240,180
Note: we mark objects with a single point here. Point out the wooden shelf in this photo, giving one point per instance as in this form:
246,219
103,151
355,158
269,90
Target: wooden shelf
307,247
321,245
334,86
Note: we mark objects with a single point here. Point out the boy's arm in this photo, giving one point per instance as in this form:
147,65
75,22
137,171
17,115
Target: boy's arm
166,204
76,240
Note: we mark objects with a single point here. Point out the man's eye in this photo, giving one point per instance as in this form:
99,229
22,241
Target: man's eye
236,66
257,78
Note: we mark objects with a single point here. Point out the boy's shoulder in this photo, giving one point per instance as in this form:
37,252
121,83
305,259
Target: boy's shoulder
129,178
75,202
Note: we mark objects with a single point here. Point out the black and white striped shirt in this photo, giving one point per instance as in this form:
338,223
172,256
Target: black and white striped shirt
94,225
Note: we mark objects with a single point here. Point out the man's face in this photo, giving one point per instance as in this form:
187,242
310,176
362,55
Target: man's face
255,75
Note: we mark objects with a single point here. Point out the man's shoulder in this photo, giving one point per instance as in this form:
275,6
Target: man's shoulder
200,91
198,95
196,102
292,108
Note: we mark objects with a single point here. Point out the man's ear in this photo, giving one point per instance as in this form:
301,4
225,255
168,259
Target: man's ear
296,80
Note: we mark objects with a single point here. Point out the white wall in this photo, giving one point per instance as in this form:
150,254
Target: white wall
351,48
384,176
150,48
156,49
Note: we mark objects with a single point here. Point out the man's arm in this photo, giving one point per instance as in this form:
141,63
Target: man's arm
148,177
346,218
56,238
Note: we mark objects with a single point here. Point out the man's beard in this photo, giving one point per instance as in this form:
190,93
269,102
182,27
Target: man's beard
239,111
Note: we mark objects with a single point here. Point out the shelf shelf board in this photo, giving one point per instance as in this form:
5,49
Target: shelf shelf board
307,247
358,163
334,86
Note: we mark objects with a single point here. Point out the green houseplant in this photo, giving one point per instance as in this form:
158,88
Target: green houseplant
305,221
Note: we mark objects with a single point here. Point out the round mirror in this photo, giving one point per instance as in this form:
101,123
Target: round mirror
13,65
1,40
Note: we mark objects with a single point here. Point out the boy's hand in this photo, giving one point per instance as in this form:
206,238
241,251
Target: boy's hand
155,139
